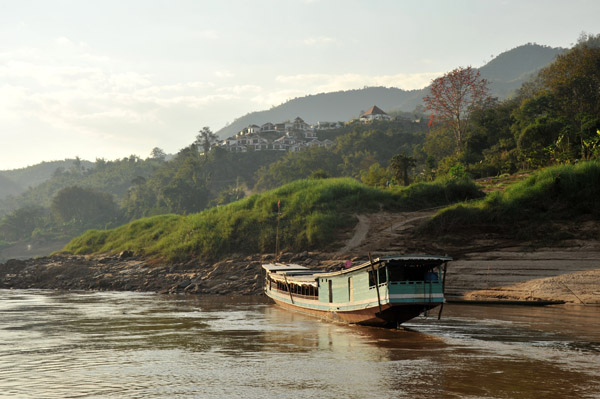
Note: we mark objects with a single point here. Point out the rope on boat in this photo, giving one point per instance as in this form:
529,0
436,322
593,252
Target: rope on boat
375,276
289,288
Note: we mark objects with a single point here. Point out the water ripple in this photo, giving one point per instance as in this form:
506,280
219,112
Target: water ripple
129,345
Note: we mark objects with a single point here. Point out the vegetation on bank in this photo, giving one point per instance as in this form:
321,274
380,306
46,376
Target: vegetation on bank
312,214
566,192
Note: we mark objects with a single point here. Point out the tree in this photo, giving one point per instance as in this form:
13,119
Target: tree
400,164
83,205
77,164
376,176
158,153
22,222
574,82
205,139
453,98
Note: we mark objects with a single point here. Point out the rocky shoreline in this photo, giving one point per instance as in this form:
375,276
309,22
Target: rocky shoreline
126,272
517,275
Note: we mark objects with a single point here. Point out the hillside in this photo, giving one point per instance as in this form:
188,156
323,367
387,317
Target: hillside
331,107
509,70
506,73
16,181
313,214
484,268
8,187
540,206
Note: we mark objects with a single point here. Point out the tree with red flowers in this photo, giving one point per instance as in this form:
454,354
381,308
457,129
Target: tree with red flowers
453,97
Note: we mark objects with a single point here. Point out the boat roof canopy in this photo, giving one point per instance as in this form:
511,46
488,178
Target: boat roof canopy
404,260
280,267
413,258
280,271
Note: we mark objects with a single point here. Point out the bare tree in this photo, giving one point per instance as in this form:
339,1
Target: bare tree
453,98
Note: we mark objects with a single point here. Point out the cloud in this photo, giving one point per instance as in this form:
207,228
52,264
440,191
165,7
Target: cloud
93,102
319,41
224,74
275,97
71,99
239,89
207,34
335,82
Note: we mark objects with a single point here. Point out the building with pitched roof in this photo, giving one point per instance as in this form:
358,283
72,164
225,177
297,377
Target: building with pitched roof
374,113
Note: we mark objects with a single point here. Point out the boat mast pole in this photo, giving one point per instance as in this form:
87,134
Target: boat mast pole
376,282
289,288
443,291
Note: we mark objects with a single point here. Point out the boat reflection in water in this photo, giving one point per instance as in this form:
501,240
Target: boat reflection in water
383,292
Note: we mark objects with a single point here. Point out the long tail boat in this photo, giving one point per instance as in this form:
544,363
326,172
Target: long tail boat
385,291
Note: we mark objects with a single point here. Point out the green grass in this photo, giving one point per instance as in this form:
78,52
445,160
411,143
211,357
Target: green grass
313,212
558,193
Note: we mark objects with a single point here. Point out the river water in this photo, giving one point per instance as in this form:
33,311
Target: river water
132,345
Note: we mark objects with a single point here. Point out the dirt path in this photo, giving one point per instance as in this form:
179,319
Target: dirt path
383,233
360,233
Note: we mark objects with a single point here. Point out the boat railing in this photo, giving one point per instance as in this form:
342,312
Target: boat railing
416,282
315,297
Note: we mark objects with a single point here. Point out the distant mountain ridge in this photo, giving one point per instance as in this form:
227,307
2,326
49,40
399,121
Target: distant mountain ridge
506,73
8,187
509,70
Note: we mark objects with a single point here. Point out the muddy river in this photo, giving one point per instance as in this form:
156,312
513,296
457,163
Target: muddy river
132,345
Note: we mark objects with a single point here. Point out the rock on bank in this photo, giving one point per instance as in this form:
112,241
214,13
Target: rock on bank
125,272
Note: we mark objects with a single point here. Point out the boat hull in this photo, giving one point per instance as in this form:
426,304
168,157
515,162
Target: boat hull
390,316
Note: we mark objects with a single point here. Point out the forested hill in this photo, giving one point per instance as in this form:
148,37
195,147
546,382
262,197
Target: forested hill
506,72
330,107
16,181
8,187
509,70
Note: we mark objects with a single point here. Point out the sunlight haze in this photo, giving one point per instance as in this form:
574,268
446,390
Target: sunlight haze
114,78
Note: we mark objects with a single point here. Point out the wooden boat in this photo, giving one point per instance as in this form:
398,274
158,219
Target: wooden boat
386,291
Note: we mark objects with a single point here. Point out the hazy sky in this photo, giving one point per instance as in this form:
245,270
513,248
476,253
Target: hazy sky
107,79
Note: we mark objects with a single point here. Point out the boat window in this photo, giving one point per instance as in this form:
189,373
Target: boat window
407,273
382,275
372,279
397,273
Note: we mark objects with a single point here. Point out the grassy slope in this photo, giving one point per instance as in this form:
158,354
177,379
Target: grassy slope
549,195
312,213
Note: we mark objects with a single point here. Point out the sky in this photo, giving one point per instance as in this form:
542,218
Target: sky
109,79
